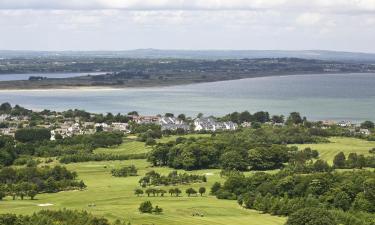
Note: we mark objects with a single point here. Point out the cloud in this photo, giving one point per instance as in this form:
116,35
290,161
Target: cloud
308,19
337,6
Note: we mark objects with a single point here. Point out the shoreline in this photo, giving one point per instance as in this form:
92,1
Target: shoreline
113,88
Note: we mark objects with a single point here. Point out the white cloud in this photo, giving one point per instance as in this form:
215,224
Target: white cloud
309,19
342,6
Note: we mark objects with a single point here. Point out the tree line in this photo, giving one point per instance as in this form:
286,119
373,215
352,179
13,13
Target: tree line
173,178
29,181
354,161
61,217
250,149
155,192
286,192
124,171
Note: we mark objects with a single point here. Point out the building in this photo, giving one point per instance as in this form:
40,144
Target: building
210,124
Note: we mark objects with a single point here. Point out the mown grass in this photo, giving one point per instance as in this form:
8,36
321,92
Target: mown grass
114,199
327,151
131,146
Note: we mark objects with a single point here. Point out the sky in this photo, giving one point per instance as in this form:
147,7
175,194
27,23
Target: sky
343,25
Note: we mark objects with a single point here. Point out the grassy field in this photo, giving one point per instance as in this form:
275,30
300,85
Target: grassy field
328,151
131,146
114,199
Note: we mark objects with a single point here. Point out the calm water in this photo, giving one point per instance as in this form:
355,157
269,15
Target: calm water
7,77
337,97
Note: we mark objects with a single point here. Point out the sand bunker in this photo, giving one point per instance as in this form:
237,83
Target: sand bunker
45,204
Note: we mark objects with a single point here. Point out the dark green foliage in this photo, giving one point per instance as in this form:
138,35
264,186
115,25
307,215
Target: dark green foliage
202,190
191,191
62,217
353,161
311,216
124,171
145,207
286,192
32,134
339,160
262,148
173,178
367,125
98,157
32,180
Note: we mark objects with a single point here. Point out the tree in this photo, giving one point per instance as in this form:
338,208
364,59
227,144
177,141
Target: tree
202,190
157,210
5,107
342,201
162,192
191,191
181,117
2,192
215,188
32,134
277,119
138,192
294,118
311,216
232,160
177,191
367,125
145,207
321,166
171,191
339,161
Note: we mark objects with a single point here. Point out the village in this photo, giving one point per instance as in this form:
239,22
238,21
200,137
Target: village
67,126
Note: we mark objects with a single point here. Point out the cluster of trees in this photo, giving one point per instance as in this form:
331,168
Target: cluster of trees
30,181
353,161
98,157
125,171
32,134
35,142
258,149
7,108
263,117
172,191
173,178
285,193
146,207
147,132
61,217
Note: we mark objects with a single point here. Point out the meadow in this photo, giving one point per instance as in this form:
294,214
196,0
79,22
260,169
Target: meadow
327,151
113,197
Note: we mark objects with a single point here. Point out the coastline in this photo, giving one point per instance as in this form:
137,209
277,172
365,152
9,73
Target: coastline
123,87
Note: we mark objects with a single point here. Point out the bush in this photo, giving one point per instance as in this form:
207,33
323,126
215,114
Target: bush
32,134
146,207
311,216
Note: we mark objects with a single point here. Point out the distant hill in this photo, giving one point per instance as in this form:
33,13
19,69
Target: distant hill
200,54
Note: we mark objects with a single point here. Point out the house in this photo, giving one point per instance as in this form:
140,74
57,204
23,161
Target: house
120,127
344,124
145,119
210,124
4,117
364,131
174,127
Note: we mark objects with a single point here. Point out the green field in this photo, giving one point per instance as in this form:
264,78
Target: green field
131,146
114,199
327,151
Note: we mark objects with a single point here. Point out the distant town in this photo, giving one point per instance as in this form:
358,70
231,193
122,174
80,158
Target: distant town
78,122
